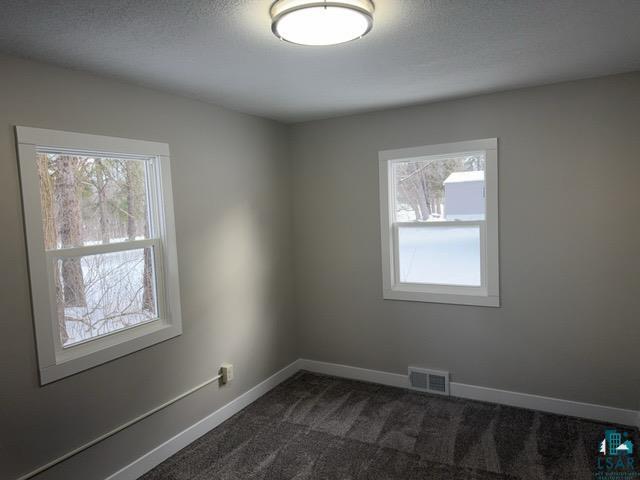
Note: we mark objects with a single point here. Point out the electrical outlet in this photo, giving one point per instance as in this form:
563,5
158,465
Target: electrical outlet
227,372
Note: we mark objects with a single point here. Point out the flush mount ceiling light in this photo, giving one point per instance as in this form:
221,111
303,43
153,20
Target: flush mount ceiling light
309,22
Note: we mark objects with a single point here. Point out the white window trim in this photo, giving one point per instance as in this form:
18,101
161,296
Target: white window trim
488,294
55,362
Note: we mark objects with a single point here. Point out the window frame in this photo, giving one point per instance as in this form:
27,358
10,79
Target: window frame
54,361
488,293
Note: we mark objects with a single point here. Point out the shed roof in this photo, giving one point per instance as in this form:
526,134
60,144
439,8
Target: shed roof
459,177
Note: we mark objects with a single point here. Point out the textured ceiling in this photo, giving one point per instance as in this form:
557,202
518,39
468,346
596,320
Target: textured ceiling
223,51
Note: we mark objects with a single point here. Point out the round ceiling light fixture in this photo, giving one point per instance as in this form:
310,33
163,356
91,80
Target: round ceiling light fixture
308,22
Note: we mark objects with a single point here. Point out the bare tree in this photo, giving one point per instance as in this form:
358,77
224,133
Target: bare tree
134,186
414,188
420,185
101,182
148,302
131,200
49,230
69,228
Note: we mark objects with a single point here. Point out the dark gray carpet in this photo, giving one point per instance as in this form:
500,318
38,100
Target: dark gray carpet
315,427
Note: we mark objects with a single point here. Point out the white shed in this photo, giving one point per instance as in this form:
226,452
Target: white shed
464,196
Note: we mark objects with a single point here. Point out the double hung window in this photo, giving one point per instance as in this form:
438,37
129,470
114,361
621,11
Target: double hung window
439,223
101,243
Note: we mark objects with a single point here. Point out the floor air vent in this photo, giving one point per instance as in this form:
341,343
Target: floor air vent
432,381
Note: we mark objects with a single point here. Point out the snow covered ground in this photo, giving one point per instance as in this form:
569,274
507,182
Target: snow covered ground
113,291
443,255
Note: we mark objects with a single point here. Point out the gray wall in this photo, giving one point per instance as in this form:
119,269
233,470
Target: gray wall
569,173
231,187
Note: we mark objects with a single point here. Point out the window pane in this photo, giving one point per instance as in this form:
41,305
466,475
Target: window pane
89,200
440,255
104,293
439,188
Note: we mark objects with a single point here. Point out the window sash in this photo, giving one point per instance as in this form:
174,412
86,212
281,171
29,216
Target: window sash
440,287
52,256
102,248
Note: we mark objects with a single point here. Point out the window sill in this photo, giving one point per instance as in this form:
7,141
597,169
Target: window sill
453,299
70,363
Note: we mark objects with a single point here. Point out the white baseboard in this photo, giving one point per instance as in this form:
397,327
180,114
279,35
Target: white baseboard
355,373
559,406
163,451
524,400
